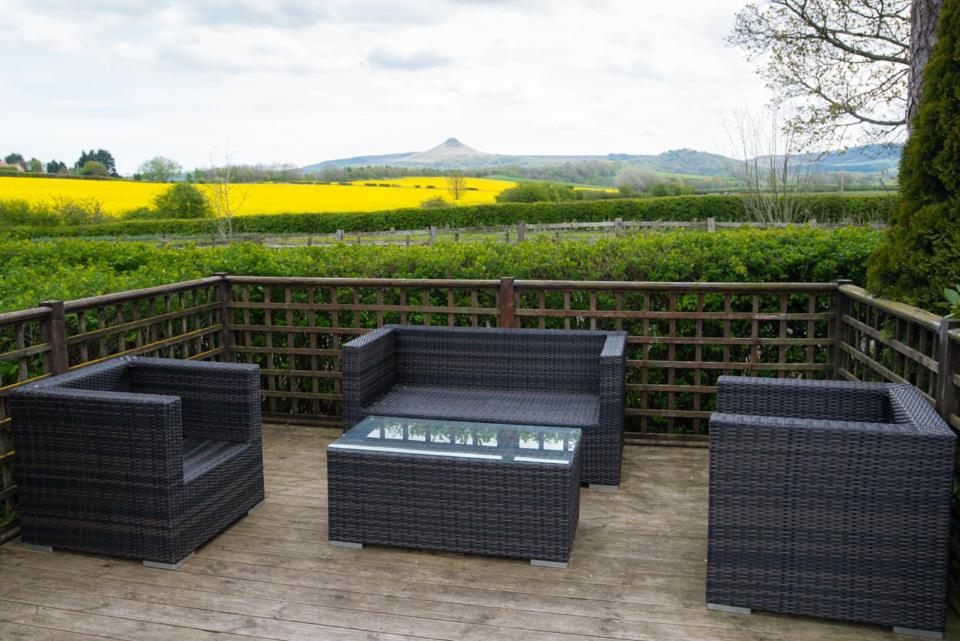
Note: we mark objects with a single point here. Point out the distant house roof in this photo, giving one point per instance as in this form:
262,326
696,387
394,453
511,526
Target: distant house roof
18,165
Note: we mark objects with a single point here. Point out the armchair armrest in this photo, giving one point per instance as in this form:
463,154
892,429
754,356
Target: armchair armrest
221,401
117,437
368,365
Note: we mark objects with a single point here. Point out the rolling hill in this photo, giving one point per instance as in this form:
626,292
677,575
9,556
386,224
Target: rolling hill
453,154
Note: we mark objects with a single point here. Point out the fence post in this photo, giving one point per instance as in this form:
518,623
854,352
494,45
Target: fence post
813,222
55,333
841,306
433,235
618,227
506,302
712,225
521,231
339,235
947,363
226,336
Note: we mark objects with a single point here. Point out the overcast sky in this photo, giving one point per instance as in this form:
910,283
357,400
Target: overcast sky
302,81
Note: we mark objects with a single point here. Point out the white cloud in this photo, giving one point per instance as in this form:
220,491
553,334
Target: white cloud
301,81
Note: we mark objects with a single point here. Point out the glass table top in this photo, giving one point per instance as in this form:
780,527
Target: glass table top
457,439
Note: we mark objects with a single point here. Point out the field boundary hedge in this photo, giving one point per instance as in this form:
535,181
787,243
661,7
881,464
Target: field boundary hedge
824,208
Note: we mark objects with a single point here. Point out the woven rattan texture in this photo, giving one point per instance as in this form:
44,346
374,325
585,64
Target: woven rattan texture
496,375
104,466
815,513
498,508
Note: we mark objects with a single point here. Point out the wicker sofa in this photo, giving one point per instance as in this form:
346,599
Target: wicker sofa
141,458
829,499
515,376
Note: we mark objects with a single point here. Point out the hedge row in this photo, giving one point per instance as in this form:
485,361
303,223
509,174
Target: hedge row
825,208
66,269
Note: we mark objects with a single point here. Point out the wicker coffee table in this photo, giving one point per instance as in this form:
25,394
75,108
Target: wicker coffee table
450,486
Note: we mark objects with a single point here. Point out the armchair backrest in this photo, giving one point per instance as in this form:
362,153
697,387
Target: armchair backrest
520,359
809,399
107,376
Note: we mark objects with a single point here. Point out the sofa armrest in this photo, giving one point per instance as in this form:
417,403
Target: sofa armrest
368,366
613,364
91,434
799,398
221,401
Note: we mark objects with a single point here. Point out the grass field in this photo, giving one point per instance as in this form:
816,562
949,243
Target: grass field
118,196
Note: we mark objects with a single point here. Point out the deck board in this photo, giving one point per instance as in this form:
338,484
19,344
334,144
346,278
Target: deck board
637,573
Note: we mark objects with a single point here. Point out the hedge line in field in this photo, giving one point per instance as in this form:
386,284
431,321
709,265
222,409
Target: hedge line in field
66,269
825,208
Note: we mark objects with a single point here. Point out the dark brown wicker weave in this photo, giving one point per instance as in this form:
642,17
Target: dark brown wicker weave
141,458
829,499
518,376
509,497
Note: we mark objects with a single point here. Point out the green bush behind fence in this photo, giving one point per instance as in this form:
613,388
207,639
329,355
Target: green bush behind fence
67,269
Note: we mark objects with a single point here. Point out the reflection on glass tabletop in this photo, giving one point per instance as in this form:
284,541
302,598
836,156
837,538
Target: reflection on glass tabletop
481,441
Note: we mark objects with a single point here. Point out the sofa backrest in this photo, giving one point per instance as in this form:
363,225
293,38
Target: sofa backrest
517,359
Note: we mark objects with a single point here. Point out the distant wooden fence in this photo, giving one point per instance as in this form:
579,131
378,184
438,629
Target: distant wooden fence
517,233
682,337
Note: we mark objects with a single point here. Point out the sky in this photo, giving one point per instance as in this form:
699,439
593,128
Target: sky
301,81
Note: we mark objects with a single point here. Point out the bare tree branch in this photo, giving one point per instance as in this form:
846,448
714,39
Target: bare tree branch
835,61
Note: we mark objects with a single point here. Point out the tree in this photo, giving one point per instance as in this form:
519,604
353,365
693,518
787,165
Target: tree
159,169
457,186
35,166
921,256
101,156
56,167
632,180
182,200
529,192
844,63
773,176
13,159
924,23
224,197
94,168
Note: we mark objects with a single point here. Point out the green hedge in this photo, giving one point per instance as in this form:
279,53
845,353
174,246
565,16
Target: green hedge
825,208
66,269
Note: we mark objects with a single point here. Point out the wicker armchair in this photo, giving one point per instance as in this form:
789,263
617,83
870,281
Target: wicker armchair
142,458
829,499
517,376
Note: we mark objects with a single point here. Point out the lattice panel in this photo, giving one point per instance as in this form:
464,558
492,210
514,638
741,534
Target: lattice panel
682,339
181,322
294,331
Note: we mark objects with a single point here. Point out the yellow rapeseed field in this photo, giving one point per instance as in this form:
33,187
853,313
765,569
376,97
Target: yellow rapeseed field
118,196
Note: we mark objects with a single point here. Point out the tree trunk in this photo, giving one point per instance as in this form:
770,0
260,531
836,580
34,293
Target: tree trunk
924,21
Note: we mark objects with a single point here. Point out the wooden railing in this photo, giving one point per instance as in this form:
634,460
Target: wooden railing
682,337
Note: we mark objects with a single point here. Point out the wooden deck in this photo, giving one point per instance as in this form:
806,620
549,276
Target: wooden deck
637,572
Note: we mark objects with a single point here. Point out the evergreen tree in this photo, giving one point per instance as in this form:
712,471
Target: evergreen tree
922,254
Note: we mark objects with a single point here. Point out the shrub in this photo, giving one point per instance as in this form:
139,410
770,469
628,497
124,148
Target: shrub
182,200
77,212
528,192
922,255
437,202
94,168
68,269
20,212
